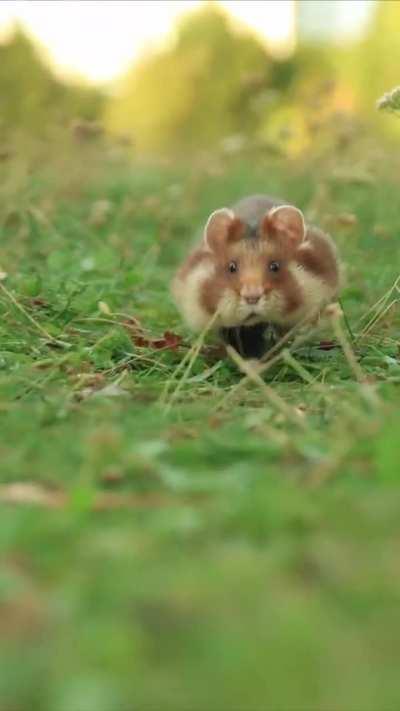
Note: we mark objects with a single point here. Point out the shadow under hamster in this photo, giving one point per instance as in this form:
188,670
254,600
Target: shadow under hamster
251,341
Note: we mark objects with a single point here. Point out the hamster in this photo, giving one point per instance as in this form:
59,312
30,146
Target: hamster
258,267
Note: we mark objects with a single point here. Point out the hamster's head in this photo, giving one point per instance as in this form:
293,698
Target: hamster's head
254,276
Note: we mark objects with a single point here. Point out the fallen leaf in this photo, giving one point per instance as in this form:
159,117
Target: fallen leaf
112,477
326,345
168,341
214,352
38,303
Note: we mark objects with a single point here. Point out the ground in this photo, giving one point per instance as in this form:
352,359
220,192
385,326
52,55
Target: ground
196,545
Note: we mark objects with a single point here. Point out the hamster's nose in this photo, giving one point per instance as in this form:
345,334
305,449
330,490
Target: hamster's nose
251,293
252,299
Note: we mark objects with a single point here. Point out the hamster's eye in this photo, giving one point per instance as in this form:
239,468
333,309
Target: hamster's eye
274,266
232,267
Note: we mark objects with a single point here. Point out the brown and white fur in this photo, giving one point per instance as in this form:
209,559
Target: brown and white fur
258,263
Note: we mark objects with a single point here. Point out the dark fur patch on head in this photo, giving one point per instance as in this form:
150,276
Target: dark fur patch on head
252,234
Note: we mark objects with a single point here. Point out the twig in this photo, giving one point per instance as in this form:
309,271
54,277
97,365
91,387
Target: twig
375,307
269,392
289,359
377,317
346,321
335,313
30,318
190,356
267,362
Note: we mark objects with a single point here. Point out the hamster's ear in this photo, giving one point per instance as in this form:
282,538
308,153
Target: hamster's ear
222,227
284,222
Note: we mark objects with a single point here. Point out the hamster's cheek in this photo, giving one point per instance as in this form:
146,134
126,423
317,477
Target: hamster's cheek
187,293
314,292
275,306
228,308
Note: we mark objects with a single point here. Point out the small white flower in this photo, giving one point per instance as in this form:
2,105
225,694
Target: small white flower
390,101
87,264
104,308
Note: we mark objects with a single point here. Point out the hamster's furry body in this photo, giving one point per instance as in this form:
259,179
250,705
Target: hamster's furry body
257,265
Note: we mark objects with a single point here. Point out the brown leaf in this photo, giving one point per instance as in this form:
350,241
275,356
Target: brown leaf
214,352
38,303
112,477
168,341
326,345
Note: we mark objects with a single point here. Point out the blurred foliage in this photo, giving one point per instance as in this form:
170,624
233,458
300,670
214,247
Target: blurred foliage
209,84
215,86
373,64
257,564
251,550
32,99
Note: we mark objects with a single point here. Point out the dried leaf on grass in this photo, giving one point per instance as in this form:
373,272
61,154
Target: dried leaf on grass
327,345
37,302
168,341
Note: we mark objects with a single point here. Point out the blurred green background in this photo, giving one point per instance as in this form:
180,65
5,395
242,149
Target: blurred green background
278,77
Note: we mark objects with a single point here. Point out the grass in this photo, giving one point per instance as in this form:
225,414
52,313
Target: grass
209,548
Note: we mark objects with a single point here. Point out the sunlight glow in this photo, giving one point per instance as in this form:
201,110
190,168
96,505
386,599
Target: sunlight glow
99,40
273,21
